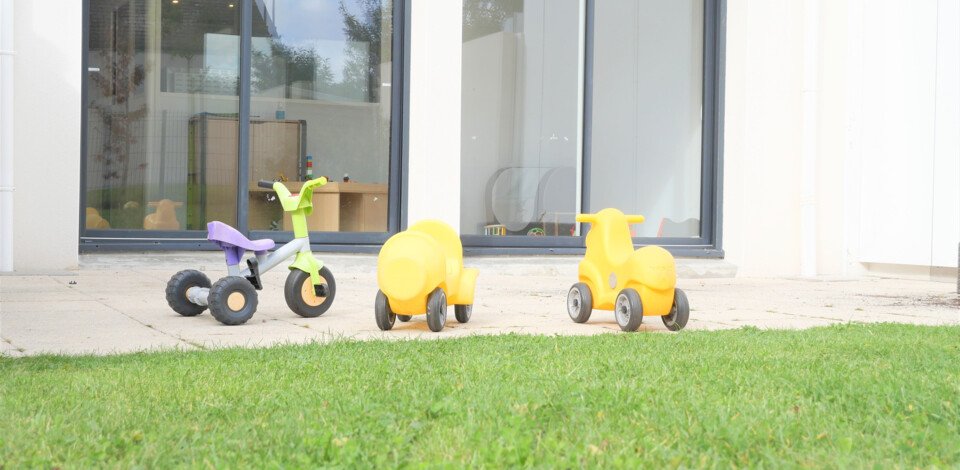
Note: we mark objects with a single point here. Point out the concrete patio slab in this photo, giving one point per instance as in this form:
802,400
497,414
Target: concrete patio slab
115,303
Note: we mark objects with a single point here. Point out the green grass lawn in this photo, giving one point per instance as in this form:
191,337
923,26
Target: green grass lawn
857,396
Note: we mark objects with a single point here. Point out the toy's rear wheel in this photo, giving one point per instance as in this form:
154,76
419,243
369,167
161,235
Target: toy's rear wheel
404,318
680,313
628,309
302,297
233,300
579,302
437,310
177,289
384,315
463,312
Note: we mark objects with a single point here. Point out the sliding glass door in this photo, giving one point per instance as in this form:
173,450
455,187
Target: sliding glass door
184,98
578,105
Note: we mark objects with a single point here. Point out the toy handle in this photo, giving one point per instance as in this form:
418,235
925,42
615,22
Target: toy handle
635,219
587,218
265,184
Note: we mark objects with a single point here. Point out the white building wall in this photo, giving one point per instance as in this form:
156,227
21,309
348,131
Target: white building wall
888,158
48,42
433,174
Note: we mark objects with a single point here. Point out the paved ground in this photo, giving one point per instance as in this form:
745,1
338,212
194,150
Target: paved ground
115,303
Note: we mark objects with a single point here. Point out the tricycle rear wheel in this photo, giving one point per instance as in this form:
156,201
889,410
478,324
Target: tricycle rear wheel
437,310
233,300
301,296
679,314
177,289
463,312
382,312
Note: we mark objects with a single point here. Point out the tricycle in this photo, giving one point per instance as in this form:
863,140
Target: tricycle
310,287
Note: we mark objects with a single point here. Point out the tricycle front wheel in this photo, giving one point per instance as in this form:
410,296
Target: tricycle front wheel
303,298
628,310
579,303
384,315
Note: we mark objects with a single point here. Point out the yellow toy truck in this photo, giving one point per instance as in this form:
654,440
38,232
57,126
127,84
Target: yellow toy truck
632,283
420,270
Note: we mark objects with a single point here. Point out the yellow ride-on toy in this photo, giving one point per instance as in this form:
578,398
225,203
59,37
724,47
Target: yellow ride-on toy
420,270
632,283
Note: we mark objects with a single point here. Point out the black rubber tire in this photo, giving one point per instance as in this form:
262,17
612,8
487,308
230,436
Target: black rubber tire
220,301
293,289
382,312
463,312
679,314
404,318
437,310
579,302
177,292
628,310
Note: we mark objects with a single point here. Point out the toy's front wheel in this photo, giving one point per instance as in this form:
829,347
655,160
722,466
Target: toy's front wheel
304,298
579,302
384,315
404,318
680,313
629,310
437,310
177,289
463,312
233,300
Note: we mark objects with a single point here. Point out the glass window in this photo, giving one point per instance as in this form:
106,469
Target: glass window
520,117
162,104
320,106
647,113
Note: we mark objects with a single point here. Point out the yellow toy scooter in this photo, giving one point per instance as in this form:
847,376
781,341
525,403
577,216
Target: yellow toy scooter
632,283
420,270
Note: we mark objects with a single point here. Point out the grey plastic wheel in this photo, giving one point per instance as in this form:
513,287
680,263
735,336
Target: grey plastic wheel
628,309
404,318
177,289
679,314
579,302
437,310
301,296
463,312
382,312
233,300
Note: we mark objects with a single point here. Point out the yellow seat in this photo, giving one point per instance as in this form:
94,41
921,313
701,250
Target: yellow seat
165,218
95,221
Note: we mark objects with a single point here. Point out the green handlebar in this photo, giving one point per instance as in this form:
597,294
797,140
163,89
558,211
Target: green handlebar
299,205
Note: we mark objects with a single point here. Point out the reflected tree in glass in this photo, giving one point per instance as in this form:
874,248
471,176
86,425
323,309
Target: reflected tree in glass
365,29
116,81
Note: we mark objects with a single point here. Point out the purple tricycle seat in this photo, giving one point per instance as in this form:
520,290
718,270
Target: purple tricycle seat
228,237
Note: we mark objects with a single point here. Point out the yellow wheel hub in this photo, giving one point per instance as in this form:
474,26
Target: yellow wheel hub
236,301
308,295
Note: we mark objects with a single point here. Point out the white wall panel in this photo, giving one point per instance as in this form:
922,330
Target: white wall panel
946,165
899,95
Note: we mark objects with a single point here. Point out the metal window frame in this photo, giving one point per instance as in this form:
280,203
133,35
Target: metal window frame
131,239
710,242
